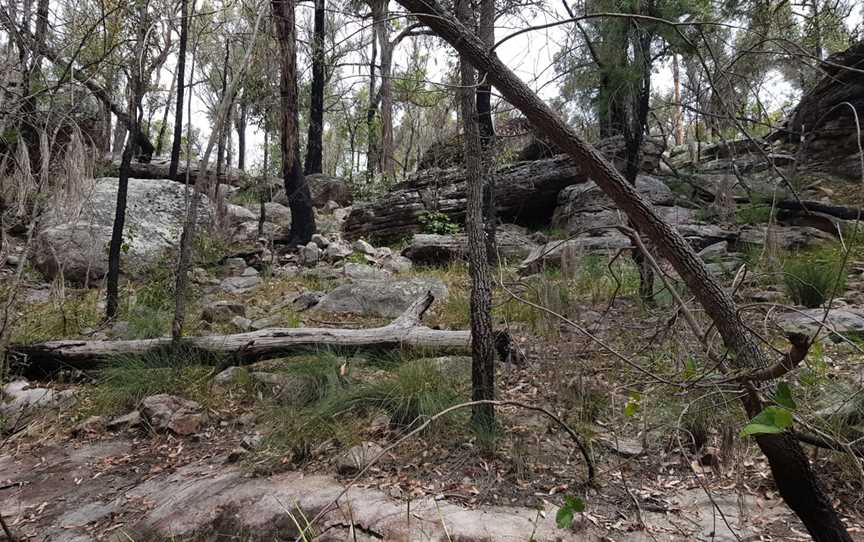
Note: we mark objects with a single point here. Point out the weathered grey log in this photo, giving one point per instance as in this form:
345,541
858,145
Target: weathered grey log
49,357
157,168
525,194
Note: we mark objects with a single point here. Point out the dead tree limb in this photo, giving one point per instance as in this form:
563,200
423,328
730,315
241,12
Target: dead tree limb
796,481
49,357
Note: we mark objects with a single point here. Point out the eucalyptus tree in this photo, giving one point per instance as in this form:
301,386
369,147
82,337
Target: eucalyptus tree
296,188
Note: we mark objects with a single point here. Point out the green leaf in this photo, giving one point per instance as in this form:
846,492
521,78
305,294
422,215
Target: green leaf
572,505
633,405
564,518
783,397
773,419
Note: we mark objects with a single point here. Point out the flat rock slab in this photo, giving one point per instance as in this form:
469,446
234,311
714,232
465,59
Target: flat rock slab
92,491
846,321
386,298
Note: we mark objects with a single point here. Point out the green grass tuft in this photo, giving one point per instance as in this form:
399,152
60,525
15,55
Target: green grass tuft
811,277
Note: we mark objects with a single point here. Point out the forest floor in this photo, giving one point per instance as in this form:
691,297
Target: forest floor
670,462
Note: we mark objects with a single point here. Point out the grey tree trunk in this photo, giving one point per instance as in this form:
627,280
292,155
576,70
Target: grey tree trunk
482,340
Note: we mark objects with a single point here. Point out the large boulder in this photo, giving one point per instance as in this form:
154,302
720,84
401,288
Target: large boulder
827,116
585,206
323,188
563,254
386,298
512,242
845,321
74,236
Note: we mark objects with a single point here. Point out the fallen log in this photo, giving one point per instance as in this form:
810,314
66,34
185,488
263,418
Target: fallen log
49,357
158,168
839,211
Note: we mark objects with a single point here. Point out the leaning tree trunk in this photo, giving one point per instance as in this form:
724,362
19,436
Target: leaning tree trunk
482,342
181,71
796,482
314,146
296,188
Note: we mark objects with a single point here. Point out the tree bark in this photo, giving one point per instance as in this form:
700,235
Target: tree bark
181,71
241,122
299,197
372,133
314,147
796,482
160,138
47,358
115,247
482,341
678,115
381,24
486,27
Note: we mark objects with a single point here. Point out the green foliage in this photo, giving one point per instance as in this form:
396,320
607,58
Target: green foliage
810,278
340,404
122,385
438,223
753,214
772,419
61,317
416,391
572,505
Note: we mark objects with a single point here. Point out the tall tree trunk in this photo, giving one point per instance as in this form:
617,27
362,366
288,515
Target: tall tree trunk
299,198
241,121
314,147
634,132
136,91
204,180
181,74
160,138
482,341
796,482
487,132
220,146
381,15
372,135
263,196
678,119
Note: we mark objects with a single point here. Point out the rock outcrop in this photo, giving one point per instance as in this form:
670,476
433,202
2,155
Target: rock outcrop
74,238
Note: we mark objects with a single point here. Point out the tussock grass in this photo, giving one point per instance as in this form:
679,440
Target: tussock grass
346,399
122,385
811,277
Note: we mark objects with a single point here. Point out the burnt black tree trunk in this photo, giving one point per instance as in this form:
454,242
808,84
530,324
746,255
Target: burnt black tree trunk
482,340
181,71
299,198
115,247
634,134
314,162
242,120
796,481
